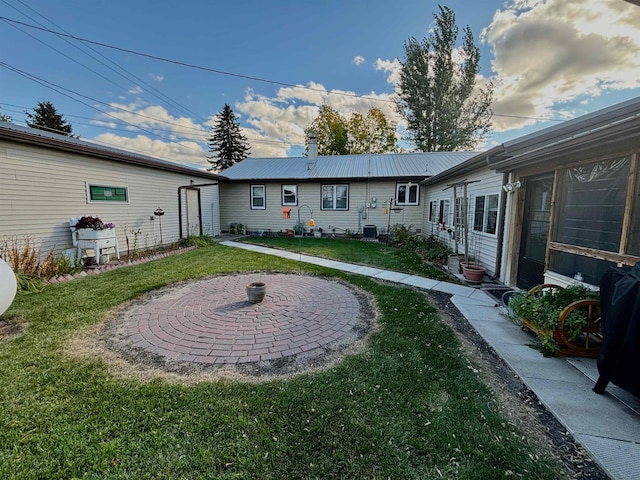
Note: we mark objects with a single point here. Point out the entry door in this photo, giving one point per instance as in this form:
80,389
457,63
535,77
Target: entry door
193,213
535,230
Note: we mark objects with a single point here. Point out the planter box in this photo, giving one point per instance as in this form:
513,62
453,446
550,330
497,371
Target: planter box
587,344
90,234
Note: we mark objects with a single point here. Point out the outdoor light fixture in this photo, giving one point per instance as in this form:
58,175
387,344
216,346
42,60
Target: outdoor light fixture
510,187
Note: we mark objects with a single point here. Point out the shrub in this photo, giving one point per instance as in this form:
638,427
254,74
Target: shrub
430,248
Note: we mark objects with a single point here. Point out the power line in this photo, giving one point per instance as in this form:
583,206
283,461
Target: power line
131,75
237,75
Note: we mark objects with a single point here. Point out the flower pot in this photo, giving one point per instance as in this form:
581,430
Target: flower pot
317,234
473,272
256,291
453,262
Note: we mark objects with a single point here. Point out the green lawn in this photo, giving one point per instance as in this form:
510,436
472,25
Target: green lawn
353,251
409,406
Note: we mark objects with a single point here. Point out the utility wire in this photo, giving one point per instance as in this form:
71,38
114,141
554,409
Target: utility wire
160,95
231,74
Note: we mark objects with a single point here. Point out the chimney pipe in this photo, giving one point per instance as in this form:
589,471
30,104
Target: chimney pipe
312,150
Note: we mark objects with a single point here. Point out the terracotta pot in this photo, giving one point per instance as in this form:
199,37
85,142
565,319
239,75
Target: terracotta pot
473,272
256,291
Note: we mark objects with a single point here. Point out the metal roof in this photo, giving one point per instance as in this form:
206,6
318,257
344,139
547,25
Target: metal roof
391,165
34,136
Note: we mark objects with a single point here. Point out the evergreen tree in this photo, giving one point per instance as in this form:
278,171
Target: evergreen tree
444,111
46,117
5,118
227,144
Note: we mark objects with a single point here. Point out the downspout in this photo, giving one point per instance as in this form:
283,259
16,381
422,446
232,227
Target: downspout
501,216
192,185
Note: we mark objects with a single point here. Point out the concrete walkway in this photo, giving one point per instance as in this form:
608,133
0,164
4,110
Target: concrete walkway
607,426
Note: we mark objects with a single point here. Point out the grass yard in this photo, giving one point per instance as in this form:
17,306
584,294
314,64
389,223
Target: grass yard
409,407
354,251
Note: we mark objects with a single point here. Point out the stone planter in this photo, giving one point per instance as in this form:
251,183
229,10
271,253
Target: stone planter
256,291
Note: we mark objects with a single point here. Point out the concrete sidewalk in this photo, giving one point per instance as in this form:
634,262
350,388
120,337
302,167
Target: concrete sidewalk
607,426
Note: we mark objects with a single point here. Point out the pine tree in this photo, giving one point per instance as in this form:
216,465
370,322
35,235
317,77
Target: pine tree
438,98
227,144
46,117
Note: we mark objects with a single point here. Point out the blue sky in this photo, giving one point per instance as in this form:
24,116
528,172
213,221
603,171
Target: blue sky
549,59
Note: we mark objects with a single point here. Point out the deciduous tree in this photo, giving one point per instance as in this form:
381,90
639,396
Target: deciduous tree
438,96
46,117
227,143
337,135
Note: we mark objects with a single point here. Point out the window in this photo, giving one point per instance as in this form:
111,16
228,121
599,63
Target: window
439,211
289,195
589,216
99,193
485,214
335,197
406,194
258,201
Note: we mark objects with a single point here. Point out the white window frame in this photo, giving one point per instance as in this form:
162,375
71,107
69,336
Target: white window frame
254,197
408,186
294,189
485,213
334,188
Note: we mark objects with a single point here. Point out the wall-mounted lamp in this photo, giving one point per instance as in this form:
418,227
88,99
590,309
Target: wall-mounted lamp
510,187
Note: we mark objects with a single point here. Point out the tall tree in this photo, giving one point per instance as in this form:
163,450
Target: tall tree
5,118
337,135
46,117
437,89
227,143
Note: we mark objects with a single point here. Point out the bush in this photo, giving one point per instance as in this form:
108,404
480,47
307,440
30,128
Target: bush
430,248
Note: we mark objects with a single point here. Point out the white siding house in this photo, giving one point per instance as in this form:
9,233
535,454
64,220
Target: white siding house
474,226
46,179
341,193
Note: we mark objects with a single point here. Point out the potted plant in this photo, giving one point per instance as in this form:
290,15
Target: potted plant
317,232
92,228
567,320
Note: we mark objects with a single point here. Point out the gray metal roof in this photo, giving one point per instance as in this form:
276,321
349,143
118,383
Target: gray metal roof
391,165
35,136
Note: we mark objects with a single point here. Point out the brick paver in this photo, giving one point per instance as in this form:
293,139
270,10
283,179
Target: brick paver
211,322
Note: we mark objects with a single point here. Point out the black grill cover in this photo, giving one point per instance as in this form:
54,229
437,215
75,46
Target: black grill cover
619,358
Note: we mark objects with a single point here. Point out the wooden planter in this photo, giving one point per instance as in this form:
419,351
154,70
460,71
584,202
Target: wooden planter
587,343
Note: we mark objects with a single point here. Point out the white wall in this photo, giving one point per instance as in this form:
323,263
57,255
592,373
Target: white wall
483,246
41,188
235,207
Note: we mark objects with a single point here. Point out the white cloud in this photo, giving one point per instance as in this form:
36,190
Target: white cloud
283,118
391,67
550,52
135,90
157,78
180,152
156,118
358,60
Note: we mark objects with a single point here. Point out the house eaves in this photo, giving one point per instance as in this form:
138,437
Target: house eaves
474,163
615,127
32,136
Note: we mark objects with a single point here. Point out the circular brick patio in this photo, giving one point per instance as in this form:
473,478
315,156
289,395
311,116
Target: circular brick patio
210,322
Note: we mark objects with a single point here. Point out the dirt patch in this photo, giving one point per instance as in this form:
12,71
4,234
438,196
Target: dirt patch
517,402
10,328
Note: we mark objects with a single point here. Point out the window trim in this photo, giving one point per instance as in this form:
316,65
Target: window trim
282,188
485,213
89,186
408,186
334,185
264,196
